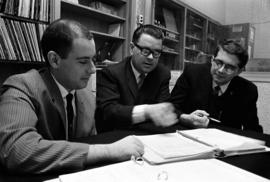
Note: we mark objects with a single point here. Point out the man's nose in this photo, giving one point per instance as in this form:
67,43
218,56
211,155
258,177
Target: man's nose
222,68
92,68
150,56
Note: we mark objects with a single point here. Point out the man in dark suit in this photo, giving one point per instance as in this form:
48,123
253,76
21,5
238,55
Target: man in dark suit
39,120
134,90
217,90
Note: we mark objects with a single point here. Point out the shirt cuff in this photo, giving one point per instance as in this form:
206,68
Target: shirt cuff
138,114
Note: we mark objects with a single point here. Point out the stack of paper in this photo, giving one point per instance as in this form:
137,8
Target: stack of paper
197,144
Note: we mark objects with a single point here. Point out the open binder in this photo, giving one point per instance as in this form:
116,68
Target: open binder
197,144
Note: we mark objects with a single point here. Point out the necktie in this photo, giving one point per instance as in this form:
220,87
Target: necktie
216,90
141,79
70,115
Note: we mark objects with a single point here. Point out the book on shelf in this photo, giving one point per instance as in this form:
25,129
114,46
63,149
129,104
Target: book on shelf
169,18
210,170
19,40
106,8
34,9
197,144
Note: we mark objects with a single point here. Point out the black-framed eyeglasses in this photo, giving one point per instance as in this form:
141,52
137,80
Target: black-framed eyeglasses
227,67
145,51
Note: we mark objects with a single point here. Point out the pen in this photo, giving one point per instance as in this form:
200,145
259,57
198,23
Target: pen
210,118
213,119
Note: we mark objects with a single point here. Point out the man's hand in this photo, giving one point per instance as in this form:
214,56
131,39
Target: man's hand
161,114
196,119
125,148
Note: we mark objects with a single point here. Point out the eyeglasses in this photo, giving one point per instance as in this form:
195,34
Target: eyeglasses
145,51
229,69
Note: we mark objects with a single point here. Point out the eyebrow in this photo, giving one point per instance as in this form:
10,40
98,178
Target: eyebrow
83,57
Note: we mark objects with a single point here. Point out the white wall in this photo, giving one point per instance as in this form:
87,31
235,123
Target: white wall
256,12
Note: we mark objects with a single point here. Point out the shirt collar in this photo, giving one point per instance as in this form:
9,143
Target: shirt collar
136,73
62,89
223,87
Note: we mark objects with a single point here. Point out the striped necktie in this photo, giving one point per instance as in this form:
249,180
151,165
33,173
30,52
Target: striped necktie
141,80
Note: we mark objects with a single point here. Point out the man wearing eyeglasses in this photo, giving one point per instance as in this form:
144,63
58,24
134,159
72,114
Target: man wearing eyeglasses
136,89
208,93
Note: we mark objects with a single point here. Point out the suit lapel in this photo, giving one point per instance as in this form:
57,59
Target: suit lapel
131,80
85,109
55,94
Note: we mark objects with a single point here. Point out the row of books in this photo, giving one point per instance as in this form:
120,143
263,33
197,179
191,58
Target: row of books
33,9
20,40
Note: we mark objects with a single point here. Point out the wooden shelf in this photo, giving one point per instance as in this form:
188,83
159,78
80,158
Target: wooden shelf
102,35
170,52
190,49
193,37
165,29
20,18
91,12
22,62
197,26
169,39
114,2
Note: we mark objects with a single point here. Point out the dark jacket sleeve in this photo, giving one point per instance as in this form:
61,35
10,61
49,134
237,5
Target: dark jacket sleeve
108,103
250,119
180,92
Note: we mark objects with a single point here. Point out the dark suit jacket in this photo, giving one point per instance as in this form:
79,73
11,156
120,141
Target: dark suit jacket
32,124
117,93
235,108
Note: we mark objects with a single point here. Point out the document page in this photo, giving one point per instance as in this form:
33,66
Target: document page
208,170
173,145
223,140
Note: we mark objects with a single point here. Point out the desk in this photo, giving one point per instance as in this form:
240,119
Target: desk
256,163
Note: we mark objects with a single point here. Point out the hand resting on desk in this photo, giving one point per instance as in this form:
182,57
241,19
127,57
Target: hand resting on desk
118,151
196,119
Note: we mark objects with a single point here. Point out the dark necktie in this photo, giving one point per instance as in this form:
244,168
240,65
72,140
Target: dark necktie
141,80
216,90
70,115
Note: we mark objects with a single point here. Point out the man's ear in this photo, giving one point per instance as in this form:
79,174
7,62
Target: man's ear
54,59
131,47
241,70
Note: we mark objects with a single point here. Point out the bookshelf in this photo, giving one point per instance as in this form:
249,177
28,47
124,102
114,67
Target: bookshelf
108,22
22,24
169,17
190,36
213,31
195,36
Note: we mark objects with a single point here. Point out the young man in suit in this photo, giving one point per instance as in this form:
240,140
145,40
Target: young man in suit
217,90
136,89
42,112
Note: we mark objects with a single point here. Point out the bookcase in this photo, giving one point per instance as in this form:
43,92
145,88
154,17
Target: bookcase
213,36
22,24
107,20
195,36
190,36
169,17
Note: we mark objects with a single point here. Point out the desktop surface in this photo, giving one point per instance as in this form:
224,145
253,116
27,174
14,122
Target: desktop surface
258,163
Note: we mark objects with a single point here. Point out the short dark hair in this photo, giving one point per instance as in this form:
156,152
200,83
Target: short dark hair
147,29
59,36
235,48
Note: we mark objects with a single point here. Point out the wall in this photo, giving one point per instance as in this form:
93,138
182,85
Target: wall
263,105
256,12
